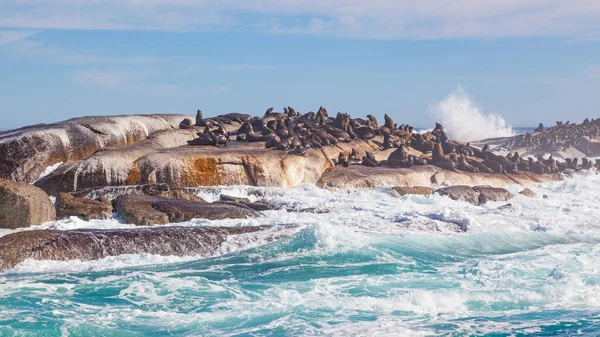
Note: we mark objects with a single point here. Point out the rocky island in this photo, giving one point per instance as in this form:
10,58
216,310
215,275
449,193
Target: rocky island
143,169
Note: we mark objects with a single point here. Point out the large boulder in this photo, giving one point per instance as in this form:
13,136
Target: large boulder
477,195
93,244
28,151
146,210
491,194
137,209
238,163
88,209
23,205
358,176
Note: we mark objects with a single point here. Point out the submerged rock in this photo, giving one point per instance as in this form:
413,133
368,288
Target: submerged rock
528,193
23,205
179,194
228,198
460,193
88,209
86,245
417,190
145,210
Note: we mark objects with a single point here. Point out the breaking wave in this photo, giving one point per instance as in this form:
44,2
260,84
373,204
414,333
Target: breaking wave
465,122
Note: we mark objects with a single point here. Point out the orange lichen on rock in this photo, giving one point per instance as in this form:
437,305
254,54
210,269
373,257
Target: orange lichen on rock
134,177
203,171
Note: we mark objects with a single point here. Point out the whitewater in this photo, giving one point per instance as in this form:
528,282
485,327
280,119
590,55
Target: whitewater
376,264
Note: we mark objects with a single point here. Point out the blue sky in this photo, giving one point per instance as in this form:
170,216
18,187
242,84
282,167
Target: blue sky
528,61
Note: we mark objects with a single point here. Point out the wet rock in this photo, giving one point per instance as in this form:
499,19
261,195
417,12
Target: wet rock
179,194
112,192
86,245
417,190
477,195
228,198
528,193
87,209
180,210
507,207
490,194
356,177
460,193
137,209
23,205
148,210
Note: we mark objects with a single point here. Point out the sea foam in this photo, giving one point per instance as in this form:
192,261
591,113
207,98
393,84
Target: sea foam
376,264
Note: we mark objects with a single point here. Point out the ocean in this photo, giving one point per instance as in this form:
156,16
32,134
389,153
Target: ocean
375,265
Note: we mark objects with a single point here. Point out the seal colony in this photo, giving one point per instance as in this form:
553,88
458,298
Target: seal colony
565,139
143,170
296,133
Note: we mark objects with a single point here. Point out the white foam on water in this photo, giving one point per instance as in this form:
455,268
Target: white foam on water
464,121
401,262
107,263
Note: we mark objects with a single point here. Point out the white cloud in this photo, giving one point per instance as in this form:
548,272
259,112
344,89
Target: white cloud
8,37
20,43
380,19
593,72
111,80
221,88
139,82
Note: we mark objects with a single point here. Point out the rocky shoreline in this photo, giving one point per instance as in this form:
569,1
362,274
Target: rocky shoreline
142,169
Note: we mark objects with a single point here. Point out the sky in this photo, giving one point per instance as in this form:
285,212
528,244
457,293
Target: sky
529,61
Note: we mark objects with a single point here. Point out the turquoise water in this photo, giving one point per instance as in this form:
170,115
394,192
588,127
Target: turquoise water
377,265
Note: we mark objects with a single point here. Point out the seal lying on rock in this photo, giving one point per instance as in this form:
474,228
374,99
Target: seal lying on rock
94,244
369,160
208,137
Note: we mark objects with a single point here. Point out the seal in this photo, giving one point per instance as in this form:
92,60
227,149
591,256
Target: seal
480,166
463,165
540,128
399,158
199,119
369,160
185,124
342,160
373,121
438,153
389,123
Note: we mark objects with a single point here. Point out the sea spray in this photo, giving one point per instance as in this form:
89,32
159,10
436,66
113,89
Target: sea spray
464,121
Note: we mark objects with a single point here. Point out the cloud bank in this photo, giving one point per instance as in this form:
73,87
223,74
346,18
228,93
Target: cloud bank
375,19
